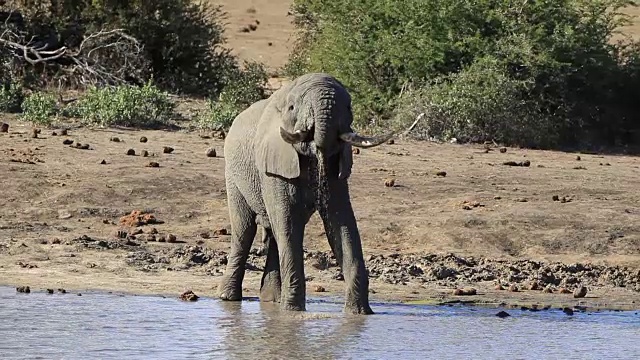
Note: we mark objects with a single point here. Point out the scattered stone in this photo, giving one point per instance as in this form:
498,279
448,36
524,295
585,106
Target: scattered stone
497,198
568,311
211,152
355,151
580,292
35,132
391,142
499,287
521,200
153,164
391,182
171,238
64,132
114,139
145,153
67,142
503,150
525,163
23,289
513,288
579,168
555,198
4,128
49,291
161,238
502,314
220,232
131,152
564,291
189,296
143,139
441,173
319,289
222,135
53,133
139,218
167,149
578,158
469,205
465,292
534,285
548,290
62,291
103,162
121,234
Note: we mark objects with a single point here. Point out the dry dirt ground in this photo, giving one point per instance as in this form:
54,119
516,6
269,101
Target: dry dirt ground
61,219
559,223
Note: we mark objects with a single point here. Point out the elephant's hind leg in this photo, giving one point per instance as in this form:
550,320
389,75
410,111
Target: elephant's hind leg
243,230
270,285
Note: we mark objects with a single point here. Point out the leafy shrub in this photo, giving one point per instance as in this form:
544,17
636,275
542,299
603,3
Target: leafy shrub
11,97
480,103
244,88
125,105
40,108
557,55
182,41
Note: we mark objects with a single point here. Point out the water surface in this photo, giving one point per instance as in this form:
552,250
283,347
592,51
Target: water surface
111,326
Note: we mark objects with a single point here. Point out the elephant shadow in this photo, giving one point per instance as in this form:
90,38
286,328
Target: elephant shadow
269,332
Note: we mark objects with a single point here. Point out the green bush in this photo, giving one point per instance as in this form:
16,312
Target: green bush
11,97
40,108
555,57
125,105
245,87
182,42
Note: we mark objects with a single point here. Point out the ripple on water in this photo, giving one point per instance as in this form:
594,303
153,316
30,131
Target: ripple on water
108,326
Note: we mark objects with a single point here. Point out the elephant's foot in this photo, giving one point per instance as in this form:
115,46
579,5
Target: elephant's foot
293,306
358,309
270,288
229,292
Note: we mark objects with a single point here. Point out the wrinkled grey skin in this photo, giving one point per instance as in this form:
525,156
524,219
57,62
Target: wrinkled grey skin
286,157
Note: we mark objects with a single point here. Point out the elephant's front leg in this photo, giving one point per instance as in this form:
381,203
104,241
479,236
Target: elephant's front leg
243,230
270,285
286,213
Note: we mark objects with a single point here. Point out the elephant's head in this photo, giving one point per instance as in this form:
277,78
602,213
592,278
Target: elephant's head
313,118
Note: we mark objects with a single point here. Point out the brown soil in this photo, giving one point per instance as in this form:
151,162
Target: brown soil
69,220
60,211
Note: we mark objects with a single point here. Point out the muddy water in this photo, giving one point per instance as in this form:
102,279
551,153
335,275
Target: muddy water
110,326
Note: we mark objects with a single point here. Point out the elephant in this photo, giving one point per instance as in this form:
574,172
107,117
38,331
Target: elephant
286,157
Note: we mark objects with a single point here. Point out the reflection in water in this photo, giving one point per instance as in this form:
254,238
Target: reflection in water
104,326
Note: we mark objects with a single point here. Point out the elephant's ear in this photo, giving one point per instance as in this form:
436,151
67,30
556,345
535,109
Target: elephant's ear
274,155
346,161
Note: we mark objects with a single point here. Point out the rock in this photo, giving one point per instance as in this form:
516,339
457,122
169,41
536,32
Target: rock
580,292
67,142
502,314
143,139
555,198
167,149
211,152
53,133
441,173
103,162
139,218
153,164
548,290
578,158
222,135
499,287
355,151
189,296
390,182
64,132
4,128
35,132
114,139
568,311
465,292
391,142
220,232
525,163
503,150
171,238
564,291
49,291
131,152
145,153
534,285
513,288
23,289
62,291
319,288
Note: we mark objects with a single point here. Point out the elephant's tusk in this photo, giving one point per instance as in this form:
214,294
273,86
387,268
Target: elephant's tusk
296,137
358,140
